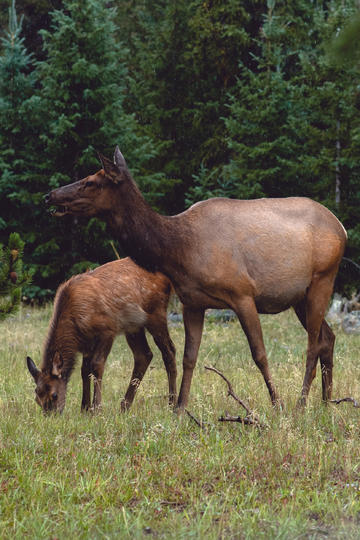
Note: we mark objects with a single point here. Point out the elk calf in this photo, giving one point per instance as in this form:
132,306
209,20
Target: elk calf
90,310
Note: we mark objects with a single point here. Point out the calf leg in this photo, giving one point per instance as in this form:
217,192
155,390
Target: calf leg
250,322
157,326
142,358
193,322
101,353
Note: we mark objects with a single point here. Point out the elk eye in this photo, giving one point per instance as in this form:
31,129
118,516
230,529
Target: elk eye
91,183
54,396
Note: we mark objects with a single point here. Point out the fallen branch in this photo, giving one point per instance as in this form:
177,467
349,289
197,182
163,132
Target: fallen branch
197,422
246,420
230,389
348,399
251,417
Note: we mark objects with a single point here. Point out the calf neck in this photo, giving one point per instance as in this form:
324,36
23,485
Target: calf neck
253,256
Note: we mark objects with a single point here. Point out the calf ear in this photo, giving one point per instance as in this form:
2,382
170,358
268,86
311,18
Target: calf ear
57,365
32,368
112,171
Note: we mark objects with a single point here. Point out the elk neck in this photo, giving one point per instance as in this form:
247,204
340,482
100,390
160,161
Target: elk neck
151,240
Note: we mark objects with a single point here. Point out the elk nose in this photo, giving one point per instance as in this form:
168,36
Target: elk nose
47,198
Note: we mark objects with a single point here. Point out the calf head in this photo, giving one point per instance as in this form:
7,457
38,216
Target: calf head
50,386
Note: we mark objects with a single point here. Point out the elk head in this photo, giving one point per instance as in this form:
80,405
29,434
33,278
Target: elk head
93,195
50,386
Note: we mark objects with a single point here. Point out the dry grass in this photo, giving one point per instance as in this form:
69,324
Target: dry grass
149,473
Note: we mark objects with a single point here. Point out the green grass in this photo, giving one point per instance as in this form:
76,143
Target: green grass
148,473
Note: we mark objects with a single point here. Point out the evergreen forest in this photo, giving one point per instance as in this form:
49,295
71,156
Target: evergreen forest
205,98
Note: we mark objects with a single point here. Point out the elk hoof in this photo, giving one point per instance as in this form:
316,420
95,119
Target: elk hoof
279,405
124,406
179,410
301,404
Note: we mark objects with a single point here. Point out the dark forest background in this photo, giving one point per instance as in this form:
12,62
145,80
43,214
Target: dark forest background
230,98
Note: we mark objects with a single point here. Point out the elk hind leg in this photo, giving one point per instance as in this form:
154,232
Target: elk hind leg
320,337
325,350
85,375
326,359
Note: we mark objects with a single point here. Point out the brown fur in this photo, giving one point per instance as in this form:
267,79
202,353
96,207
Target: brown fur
90,310
256,256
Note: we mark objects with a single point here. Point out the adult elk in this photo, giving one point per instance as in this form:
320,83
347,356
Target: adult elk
90,310
253,256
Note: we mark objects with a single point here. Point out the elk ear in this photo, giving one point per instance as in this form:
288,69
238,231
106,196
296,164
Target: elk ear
34,371
119,159
103,160
57,365
110,168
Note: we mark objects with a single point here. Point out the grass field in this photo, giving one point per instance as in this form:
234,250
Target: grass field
151,474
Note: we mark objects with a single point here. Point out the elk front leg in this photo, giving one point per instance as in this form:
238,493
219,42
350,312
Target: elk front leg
157,327
325,350
142,358
250,322
194,323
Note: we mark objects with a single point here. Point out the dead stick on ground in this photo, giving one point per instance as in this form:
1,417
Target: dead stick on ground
349,399
246,420
197,422
251,417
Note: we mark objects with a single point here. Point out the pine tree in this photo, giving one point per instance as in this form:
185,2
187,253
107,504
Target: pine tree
12,277
35,15
82,86
291,115
184,60
18,122
261,121
330,103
